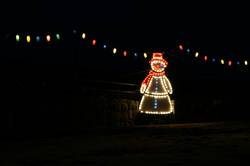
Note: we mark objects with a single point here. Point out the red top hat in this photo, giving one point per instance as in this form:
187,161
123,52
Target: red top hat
157,56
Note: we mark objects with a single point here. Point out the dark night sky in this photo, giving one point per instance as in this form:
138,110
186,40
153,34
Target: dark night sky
213,27
217,26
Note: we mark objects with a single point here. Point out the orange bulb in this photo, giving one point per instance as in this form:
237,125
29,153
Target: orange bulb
48,38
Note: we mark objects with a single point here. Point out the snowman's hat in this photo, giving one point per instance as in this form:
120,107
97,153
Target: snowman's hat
158,56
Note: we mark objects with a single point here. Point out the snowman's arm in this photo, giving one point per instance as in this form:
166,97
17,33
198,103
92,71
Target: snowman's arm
168,85
143,88
144,84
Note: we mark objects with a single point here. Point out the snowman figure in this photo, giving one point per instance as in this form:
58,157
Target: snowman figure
156,88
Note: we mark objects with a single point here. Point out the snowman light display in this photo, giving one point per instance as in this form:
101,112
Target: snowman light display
156,88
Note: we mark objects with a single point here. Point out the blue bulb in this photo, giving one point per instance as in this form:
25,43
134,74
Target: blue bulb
213,60
104,46
37,38
135,54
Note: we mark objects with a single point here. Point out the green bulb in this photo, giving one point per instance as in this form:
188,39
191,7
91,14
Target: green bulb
58,36
17,38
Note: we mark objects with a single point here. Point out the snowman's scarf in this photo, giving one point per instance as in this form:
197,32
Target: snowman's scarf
151,74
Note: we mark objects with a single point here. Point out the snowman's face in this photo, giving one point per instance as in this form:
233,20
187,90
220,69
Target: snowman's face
158,66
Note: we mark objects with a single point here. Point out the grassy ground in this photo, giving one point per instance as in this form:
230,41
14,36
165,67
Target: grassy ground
220,143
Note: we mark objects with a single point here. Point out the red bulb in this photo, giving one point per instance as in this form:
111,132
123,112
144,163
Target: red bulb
180,47
93,42
124,53
205,58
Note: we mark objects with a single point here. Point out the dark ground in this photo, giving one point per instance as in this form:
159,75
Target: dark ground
220,143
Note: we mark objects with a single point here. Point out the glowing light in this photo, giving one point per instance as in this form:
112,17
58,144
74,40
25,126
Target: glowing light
48,38
93,42
83,35
17,38
37,38
135,54
213,60
28,38
104,46
196,54
205,58
124,53
188,50
158,65
114,50
151,112
245,62
238,62
222,61
145,55
156,89
58,36
143,88
229,63
180,47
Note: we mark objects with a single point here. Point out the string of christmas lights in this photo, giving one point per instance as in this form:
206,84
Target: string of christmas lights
219,60
37,38
119,51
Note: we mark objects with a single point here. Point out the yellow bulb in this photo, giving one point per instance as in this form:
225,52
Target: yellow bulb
145,55
196,54
114,50
246,63
222,61
28,39
83,35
